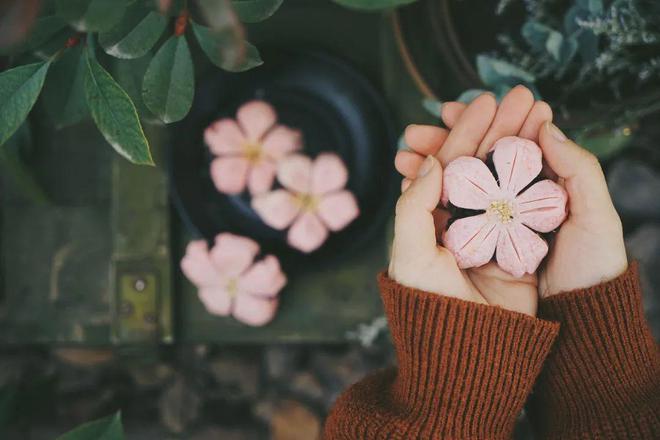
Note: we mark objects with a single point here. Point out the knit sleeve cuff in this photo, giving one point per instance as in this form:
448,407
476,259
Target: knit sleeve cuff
603,375
469,365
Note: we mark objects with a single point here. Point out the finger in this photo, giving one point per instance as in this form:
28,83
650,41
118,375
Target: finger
408,162
425,139
509,119
583,177
451,111
405,184
540,113
469,130
414,230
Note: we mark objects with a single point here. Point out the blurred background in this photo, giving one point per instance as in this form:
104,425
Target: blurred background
95,315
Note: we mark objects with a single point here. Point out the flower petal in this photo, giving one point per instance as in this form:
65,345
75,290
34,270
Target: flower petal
254,310
468,183
328,173
216,300
294,173
520,250
542,207
261,177
307,233
338,209
229,174
517,162
276,208
281,141
472,240
198,267
256,117
224,137
233,254
265,278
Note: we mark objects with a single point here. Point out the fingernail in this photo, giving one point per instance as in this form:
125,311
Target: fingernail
427,165
556,132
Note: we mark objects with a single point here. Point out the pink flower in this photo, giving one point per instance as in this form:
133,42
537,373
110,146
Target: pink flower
248,150
230,283
312,202
510,216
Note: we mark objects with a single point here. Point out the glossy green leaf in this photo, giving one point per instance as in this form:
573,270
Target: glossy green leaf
19,90
221,50
129,75
169,85
253,11
114,113
373,5
107,428
64,92
135,34
91,15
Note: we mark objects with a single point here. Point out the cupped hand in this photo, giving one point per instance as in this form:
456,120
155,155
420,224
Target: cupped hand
588,248
417,261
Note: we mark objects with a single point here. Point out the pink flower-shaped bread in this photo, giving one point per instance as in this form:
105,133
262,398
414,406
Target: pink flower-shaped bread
510,216
248,149
229,282
312,202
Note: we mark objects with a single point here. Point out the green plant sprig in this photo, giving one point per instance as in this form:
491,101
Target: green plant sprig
68,35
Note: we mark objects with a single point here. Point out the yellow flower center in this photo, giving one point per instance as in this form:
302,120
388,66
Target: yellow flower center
502,209
252,151
232,287
307,202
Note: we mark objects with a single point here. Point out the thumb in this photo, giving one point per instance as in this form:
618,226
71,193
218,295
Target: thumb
414,229
583,176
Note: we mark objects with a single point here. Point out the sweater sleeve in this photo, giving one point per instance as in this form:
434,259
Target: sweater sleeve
602,378
464,371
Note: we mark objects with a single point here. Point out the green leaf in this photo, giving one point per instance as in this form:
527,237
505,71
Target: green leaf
19,90
253,11
129,75
536,34
107,428
135,34
221,50
468,95
64,92
493,71
433,107
114,113
373,5
91,15
169,85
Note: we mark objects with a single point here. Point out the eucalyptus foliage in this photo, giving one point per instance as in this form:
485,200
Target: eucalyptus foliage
66,55
592,50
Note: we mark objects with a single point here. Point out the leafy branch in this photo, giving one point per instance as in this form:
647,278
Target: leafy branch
58,58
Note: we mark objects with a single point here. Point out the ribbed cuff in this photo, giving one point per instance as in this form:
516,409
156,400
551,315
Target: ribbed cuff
465,369
602,379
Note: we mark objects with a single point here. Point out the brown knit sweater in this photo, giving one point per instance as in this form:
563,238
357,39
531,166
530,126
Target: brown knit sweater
466,370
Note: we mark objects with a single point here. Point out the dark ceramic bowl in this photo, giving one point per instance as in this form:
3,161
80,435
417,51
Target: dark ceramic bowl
337,110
